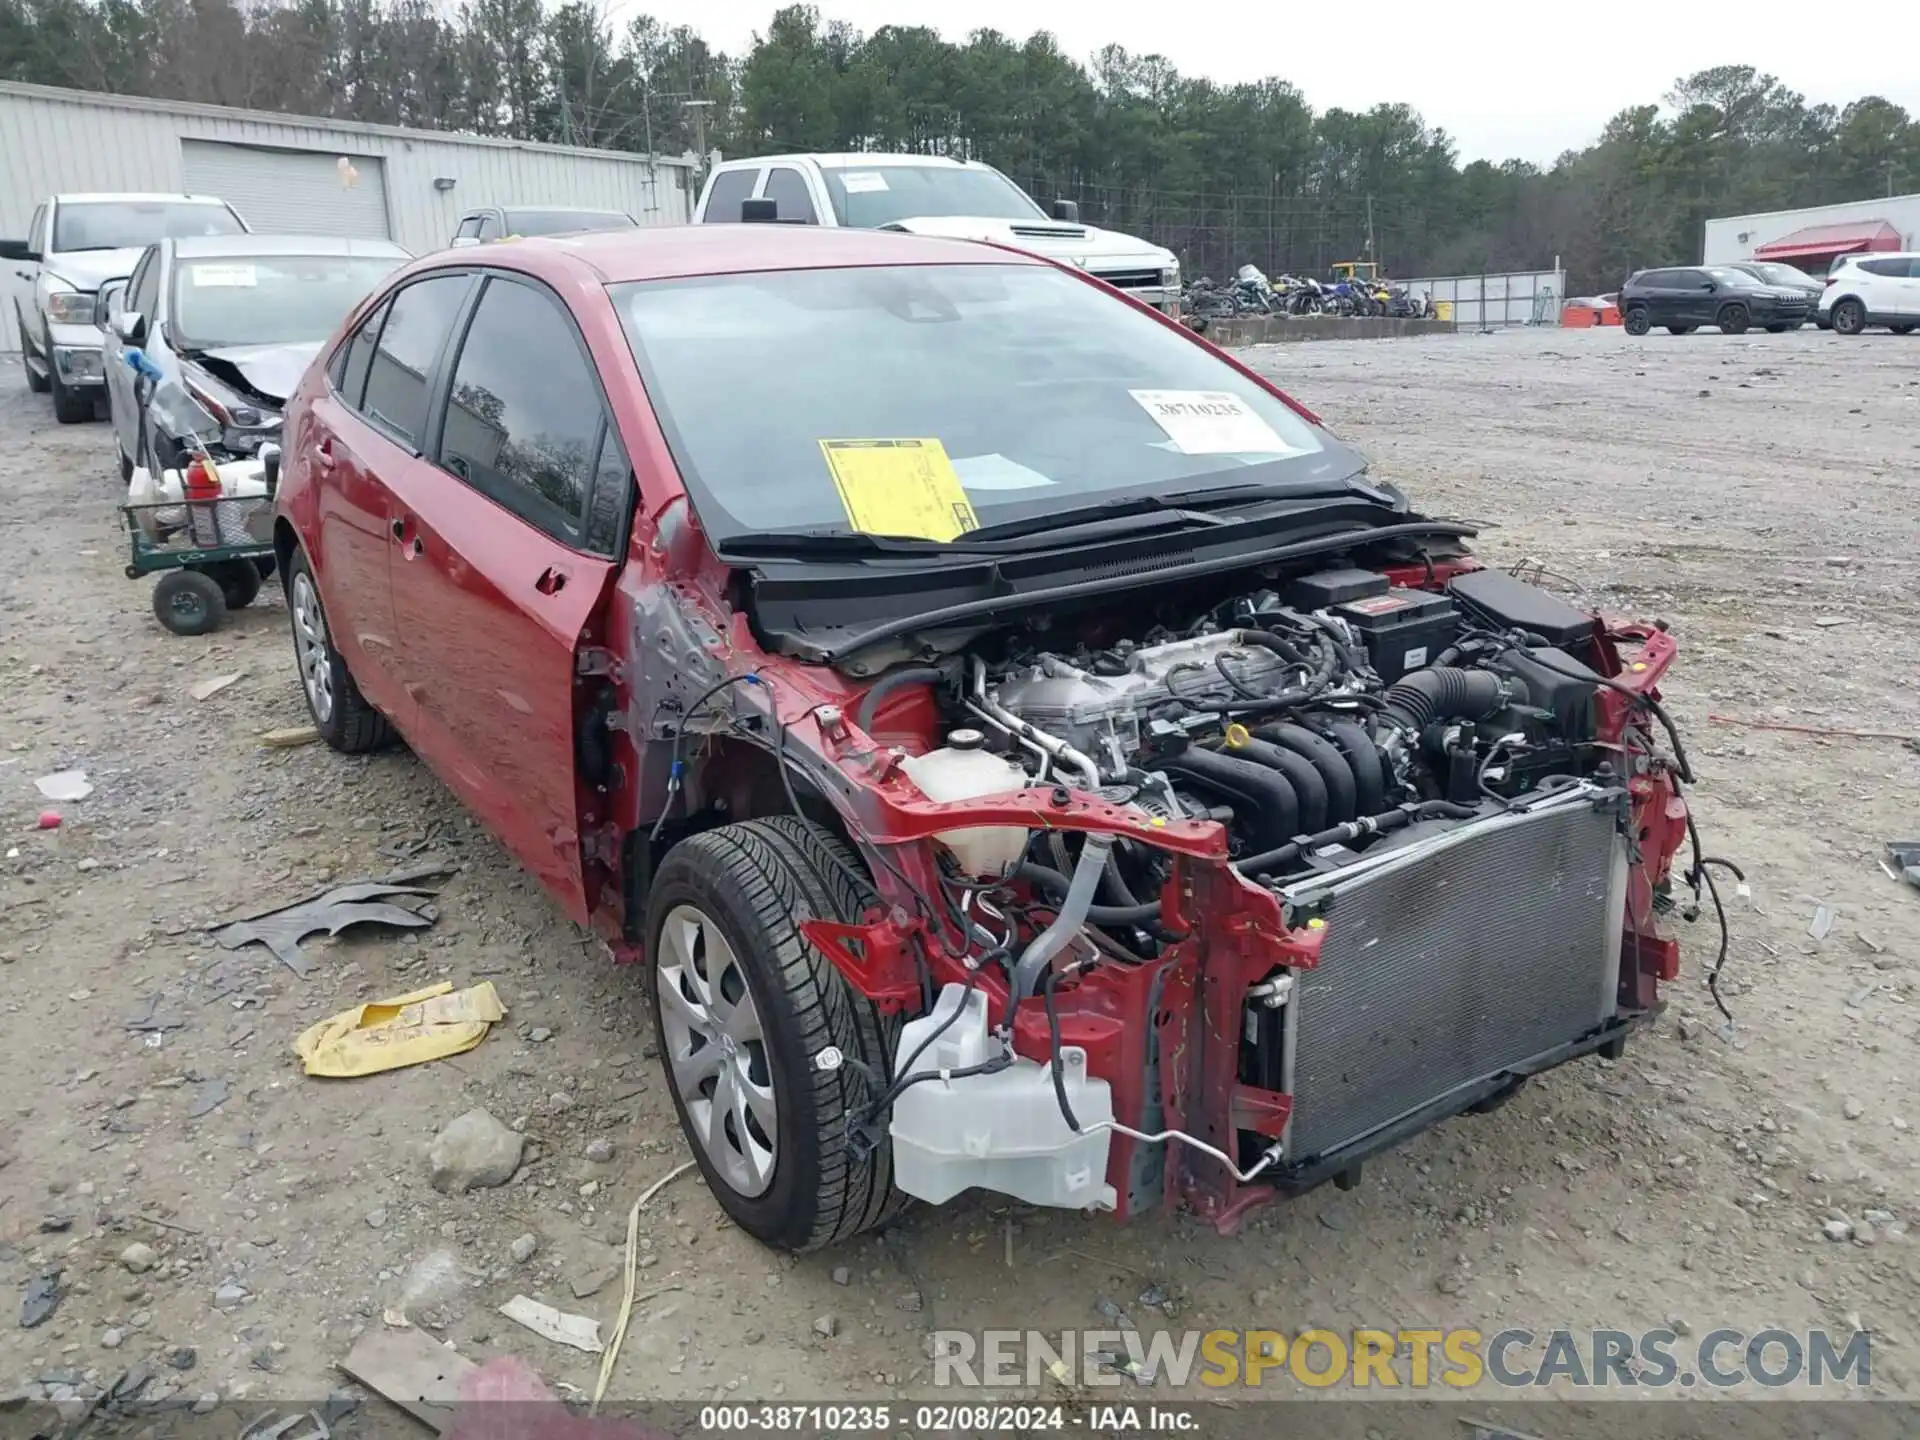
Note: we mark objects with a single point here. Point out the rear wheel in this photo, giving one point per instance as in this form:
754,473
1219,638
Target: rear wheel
1637,321
239,581
743,1005
1849,317
340,713
1733,319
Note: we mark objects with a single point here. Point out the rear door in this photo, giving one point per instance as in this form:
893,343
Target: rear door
509,529
364,433
20,275
142,297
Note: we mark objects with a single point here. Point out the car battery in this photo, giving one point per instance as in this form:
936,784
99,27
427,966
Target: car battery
1403,630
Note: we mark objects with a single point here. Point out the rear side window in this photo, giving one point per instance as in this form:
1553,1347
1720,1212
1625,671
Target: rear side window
524,412
730,187
489,228
418,322
1895,269
469,229
350,365
787,188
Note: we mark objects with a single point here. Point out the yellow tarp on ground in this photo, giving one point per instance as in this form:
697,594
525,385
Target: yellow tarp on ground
406,1030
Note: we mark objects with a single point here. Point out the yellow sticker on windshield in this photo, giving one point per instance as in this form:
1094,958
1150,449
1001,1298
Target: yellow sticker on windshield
899,487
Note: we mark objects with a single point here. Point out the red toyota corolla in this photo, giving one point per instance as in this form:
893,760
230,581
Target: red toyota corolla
1026,749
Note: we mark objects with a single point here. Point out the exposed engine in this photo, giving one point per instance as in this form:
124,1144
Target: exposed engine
1311,722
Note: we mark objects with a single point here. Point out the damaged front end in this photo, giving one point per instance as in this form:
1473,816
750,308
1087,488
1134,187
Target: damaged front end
1202,909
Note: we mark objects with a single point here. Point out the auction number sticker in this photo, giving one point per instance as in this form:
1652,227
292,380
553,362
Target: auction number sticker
863,182
223,277
906,488
1211,422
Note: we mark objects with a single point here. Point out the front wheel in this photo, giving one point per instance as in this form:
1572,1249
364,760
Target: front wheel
1680,329
744,1005
188,602
1849,317
1637,321
1901,329
340,713
239,581
70,406
1733,319
1777,329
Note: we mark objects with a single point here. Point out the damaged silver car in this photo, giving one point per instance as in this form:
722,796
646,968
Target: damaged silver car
230,324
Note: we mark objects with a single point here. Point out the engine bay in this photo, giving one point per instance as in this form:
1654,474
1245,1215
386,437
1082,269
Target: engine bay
1311,722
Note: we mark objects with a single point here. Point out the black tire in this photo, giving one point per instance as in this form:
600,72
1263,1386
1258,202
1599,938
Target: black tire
239,581
126,465
188,602
1681,329
1778,329
1849,317
70,406
754,883
1733,319
345,721
1901,329
1636,321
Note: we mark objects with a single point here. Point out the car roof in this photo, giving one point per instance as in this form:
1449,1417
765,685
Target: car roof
136,197
565,209
1882,255
203,247
676,251
863,160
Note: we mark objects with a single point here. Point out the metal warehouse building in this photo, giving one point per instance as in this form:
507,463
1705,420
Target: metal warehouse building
1813,239
283,172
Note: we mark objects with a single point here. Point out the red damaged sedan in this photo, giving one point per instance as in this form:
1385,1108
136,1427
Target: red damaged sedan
1026,750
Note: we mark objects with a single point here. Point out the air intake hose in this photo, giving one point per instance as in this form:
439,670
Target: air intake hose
1443,693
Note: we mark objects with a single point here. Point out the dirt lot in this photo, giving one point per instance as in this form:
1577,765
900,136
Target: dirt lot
1760,493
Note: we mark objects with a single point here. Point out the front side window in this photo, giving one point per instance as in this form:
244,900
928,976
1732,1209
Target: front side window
524,410
489,228
269,299
36,230
886,193
787,188
1041,391
469,229
418,322
131,224
144,289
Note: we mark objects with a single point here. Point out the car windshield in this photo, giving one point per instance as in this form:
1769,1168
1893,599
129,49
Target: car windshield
868,199
1728,276
1786,275
136,224
269,299
562,222
826,400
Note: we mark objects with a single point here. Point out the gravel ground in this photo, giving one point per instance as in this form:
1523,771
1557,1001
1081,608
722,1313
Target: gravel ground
1758,493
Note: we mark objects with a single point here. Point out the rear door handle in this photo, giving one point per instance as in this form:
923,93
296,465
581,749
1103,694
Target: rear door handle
552,581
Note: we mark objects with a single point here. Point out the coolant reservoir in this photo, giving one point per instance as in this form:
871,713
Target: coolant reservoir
965,770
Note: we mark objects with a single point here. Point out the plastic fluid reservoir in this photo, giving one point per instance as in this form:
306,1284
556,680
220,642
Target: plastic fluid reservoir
1002,1131
965,770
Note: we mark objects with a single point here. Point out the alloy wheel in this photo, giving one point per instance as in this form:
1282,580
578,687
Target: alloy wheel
312,650
717,1050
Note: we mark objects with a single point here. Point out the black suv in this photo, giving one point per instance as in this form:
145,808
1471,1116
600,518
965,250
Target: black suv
1685,299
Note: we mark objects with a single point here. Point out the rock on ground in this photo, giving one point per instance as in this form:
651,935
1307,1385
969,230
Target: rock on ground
474,1152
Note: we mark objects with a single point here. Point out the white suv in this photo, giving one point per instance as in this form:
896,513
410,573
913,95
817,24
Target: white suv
1879,288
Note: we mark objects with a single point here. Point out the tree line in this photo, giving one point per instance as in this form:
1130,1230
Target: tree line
1222,174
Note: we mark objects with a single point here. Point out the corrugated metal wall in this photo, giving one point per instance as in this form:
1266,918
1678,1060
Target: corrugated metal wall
59,141
1735,237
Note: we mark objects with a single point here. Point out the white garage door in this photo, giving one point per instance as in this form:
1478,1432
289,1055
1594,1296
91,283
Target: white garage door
290,192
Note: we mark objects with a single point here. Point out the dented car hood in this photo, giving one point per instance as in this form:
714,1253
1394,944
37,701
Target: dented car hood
271,371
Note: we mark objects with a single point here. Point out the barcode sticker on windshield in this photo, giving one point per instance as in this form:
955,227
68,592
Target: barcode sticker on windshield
899,487
223,277
1211,422
863,182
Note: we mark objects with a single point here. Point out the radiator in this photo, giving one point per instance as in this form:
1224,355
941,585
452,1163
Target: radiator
1449,961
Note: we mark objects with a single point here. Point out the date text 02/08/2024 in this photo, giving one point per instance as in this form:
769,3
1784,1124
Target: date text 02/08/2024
941,1418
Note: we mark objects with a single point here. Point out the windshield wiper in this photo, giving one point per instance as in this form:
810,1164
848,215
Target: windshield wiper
1192,505
826,544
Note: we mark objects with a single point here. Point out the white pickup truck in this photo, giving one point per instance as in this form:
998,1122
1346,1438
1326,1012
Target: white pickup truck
932,195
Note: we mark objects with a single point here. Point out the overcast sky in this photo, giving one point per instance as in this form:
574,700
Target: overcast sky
1504,78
